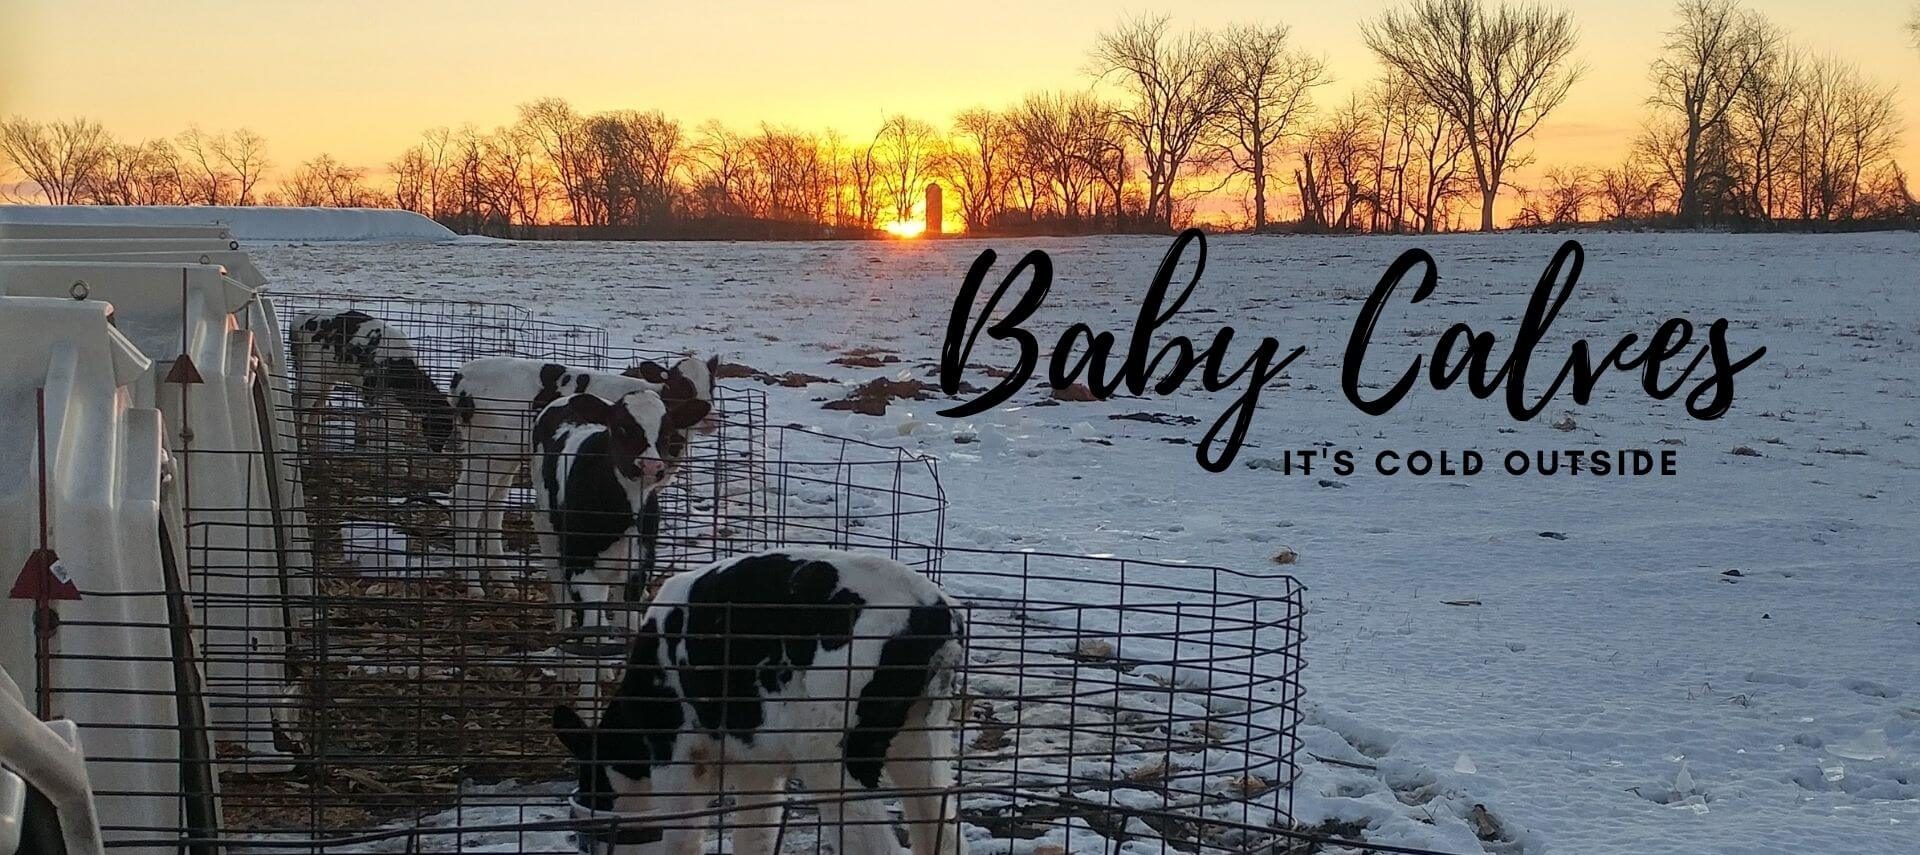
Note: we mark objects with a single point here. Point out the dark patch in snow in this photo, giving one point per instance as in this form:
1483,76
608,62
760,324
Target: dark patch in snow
1156,418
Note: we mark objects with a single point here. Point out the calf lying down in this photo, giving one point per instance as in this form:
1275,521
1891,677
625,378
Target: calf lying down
829,666
596,466
353,348
495,397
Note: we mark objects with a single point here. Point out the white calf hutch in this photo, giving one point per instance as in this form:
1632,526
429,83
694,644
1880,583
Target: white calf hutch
96,617
270,642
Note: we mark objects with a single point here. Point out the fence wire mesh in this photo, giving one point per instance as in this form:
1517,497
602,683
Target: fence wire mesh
1103,704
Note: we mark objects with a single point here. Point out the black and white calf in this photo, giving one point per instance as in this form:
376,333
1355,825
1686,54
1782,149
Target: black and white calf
833,667
596,465
353,348
494,397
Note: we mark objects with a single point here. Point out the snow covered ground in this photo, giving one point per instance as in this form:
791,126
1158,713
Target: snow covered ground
1611,687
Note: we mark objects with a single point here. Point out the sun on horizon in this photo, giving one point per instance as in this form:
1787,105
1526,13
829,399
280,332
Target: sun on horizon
907,228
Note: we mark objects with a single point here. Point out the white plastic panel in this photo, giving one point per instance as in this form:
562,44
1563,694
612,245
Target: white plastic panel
218,444
111,658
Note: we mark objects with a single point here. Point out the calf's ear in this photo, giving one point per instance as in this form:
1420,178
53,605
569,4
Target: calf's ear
649,371
685,414
572,732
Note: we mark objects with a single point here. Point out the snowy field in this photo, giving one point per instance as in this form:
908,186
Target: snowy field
1610,685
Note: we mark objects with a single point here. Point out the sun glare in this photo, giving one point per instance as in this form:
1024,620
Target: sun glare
906,228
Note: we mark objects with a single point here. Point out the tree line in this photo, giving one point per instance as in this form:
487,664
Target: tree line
1742,127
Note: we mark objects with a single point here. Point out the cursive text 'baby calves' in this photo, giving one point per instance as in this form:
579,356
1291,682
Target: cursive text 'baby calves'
1136,369
1710,398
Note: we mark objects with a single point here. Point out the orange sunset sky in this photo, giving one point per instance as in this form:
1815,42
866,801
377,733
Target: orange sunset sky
360,80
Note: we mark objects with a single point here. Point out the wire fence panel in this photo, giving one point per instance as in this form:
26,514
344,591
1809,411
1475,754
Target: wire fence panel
426,635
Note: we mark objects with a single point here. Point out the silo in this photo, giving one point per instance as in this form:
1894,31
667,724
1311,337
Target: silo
934,208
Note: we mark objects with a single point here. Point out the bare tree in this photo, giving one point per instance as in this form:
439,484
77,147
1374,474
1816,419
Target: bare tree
1437,177
1566,193
1267,84
1177,92
833,164
118,179
516,180
324,182
1335,163
808,189
863,179
470,202
904,145
1658,146
437,145
206,174
244,154
635,158
1762,120
63,159
1496,72
479,193
975,164
144,174
1913,26
786,175
724,182
1395,106
1628,191
1818,157
411,180
661,158
1100,142
1710,58
1850,129
1050,130
1415,169
419,175
560,134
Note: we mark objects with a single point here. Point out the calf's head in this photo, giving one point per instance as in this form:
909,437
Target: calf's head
646,431
616,760
614,778
701,374
401,377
